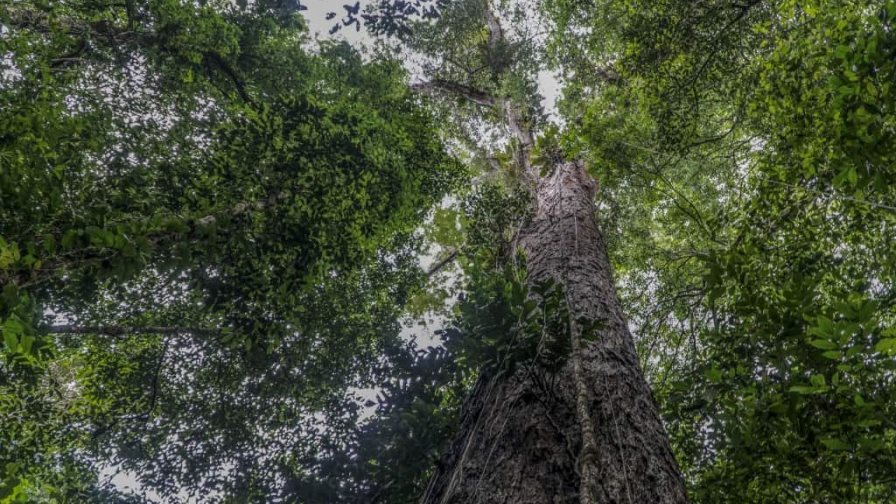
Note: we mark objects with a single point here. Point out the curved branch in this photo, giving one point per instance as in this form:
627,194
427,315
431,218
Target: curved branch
238,83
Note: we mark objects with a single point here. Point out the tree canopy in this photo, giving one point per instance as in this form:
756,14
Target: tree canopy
197,204
747,151
212,224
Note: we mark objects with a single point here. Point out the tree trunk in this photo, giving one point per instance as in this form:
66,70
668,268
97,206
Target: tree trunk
589,433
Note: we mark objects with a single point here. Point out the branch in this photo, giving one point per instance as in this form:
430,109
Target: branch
607,74
238,83
155,381
72,58
241,208
520,131
515,116
41,21
153,399
435,268
124,330
27,277
470,93
514,113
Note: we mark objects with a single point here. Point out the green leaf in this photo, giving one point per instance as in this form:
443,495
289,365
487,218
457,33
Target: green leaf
12,343
823,344
886,346
12,329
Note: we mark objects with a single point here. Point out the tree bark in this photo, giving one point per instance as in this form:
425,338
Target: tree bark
589,433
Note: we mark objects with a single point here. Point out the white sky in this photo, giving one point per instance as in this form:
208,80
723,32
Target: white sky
320,26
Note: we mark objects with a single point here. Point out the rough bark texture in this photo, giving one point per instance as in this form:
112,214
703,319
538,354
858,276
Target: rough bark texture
521,438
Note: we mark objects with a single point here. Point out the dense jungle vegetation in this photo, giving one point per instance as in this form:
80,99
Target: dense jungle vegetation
243,263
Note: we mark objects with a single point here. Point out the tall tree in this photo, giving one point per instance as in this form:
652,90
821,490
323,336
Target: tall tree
588,430
210,230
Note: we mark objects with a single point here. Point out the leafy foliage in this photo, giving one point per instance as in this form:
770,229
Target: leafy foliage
232,218
388,17
229,219
502,326
751,218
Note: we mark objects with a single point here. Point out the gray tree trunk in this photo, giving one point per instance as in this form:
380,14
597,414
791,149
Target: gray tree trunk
589,433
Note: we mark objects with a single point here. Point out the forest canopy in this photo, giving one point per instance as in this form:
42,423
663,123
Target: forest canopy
242,263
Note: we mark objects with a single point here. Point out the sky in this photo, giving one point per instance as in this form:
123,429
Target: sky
320,26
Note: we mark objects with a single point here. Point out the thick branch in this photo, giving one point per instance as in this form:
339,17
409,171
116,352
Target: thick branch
607,74
40,21
27,277
520,131
514,113
241,208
